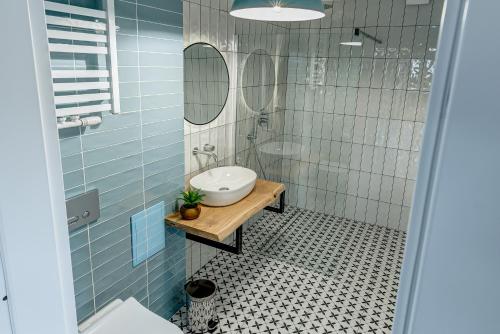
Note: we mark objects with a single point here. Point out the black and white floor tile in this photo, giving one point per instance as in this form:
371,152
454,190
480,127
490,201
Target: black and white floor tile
307,272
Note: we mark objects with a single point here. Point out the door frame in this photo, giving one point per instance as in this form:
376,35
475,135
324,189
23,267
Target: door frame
450,36
34,240
5,326
34,236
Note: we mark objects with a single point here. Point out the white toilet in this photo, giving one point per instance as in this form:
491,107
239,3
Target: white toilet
127,317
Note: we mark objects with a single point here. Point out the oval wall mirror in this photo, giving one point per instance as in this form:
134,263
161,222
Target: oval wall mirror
206,83
258,80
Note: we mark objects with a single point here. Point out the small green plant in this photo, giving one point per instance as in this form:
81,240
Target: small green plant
191,198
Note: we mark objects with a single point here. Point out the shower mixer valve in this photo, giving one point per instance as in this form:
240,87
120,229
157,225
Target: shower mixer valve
208,148
263,120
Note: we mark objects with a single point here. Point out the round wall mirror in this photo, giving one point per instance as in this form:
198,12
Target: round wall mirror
206,83
258,80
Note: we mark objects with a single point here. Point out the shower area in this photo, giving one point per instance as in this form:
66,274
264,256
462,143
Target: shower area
335,108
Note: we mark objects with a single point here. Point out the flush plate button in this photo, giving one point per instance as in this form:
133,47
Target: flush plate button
82,209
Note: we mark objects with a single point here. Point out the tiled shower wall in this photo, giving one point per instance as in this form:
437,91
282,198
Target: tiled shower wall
262,75
135,159
209,21
358,112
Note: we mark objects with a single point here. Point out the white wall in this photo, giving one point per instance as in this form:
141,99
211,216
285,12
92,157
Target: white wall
451,270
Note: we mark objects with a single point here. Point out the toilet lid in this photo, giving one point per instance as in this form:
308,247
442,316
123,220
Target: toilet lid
130,317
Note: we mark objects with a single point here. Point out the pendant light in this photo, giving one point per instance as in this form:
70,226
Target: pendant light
278,10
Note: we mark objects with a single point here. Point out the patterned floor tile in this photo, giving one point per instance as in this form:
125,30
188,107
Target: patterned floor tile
306,272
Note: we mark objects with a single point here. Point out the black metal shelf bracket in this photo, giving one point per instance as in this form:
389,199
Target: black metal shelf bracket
220,245
238,247
281,207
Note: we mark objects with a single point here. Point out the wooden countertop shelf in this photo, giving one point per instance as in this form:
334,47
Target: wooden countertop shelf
217,223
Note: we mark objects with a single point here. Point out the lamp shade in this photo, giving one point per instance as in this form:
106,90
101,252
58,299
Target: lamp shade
278,10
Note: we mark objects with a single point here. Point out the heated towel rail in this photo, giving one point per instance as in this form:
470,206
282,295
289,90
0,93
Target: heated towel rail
81,91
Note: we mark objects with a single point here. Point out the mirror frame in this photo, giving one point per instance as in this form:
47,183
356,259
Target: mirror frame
228,81
243,75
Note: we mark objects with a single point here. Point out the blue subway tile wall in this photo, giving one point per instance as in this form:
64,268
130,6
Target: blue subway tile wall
135,159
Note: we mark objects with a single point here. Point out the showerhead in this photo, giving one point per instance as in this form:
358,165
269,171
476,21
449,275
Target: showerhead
352,43
358,32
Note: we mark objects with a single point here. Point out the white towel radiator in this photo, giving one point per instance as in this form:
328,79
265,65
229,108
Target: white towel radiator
79,93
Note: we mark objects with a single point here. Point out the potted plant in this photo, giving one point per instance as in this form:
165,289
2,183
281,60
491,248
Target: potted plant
191,208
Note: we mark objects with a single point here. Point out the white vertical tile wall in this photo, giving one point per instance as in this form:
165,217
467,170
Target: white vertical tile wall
209,21
358,112
261,89
349,119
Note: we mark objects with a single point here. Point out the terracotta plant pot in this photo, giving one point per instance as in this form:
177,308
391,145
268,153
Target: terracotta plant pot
190,213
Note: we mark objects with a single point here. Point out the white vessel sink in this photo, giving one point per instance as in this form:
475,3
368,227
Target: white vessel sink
224,185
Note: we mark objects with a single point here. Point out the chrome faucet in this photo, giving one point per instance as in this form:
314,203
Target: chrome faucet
208,150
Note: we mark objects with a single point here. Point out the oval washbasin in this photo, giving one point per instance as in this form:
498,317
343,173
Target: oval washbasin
224,185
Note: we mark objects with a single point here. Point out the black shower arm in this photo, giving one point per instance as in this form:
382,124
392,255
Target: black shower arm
358,31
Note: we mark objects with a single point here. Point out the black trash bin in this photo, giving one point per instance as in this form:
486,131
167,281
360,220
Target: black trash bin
201,305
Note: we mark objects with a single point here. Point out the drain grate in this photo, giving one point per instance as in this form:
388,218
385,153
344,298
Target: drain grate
223,188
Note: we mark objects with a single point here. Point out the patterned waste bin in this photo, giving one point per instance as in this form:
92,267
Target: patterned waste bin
201,302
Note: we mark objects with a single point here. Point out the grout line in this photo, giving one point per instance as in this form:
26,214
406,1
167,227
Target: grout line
341,146
142,148
80,134
362,140
380,103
